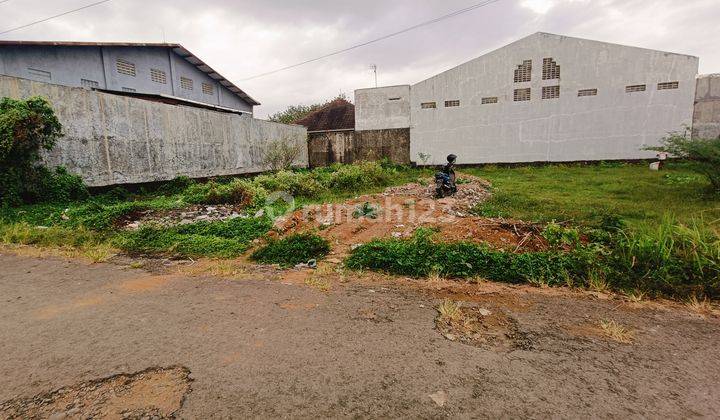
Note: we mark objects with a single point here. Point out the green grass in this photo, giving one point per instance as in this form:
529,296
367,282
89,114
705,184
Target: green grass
675,260
669,243
586,194
225,239
292,250
68,224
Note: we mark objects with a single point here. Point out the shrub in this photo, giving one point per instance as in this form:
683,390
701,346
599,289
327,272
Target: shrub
292,250
302,184
560,236
26,128
703,153
358,176
240,191
282,154
45,185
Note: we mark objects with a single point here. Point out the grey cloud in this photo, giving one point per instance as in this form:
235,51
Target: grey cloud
244,38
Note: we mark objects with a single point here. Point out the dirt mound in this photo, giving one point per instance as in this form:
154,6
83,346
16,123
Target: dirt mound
399,211
153,393
471,192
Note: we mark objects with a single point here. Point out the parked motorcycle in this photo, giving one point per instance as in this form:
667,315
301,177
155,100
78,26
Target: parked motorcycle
445,179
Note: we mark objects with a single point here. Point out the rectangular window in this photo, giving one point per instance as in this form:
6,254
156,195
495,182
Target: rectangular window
668,85
523,72
158,76
551,70
587,92
522,95
89,84
635,88
490,100
125,89
550,92
450,104
125,67
186,83
428,105
208,89
40,74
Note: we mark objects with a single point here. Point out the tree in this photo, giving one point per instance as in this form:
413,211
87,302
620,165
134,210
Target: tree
704,154
296,112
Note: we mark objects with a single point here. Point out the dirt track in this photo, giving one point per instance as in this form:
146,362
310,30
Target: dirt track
264,348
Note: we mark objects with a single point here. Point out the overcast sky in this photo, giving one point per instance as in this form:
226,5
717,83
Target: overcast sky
243,38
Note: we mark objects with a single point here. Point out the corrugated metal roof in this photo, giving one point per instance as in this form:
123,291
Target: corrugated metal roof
177,49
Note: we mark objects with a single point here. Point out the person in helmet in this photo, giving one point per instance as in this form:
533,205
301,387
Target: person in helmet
449,169
447,176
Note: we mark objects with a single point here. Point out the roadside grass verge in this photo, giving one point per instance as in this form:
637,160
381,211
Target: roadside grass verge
226,239
675,260
422,256
292,250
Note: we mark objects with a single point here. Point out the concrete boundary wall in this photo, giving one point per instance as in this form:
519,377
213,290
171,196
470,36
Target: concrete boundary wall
706,119
112,139
348,146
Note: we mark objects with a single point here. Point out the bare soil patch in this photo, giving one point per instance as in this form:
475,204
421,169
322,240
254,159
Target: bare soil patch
155,393
402,210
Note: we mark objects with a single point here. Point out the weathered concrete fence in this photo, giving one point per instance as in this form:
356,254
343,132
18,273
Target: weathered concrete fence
112,139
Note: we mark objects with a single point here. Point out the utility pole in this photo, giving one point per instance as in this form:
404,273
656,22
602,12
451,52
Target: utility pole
373,67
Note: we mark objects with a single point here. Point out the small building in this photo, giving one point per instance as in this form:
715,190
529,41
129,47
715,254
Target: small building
543,98
161,72
330,133
332,138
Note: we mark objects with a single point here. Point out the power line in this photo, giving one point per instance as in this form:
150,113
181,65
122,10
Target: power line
382,38
53,17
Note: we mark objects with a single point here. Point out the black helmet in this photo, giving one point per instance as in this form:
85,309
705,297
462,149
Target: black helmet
451,158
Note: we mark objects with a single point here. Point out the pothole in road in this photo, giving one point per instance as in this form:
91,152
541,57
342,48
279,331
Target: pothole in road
480,327
156,393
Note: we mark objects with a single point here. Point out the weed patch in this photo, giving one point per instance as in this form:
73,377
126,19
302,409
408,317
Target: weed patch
292,250
420,257
616,331
674,260
226,239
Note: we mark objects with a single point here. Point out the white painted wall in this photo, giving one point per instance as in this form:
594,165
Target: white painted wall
382,108
612,125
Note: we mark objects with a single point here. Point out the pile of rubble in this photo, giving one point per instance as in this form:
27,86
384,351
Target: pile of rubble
184,216
471,192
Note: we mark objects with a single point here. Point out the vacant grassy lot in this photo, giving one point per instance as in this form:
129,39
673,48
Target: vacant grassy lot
584,194
644,231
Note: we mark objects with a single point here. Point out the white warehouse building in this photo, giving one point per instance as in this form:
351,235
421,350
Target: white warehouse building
543,98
